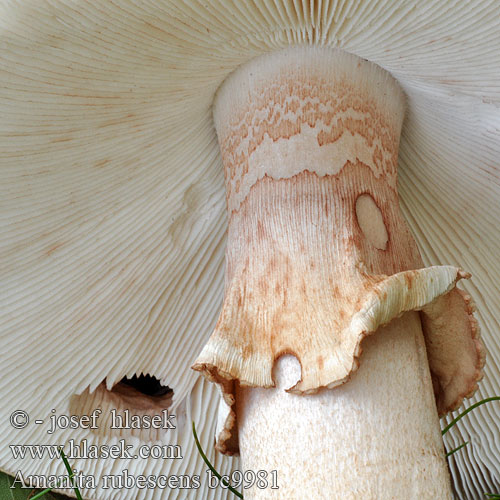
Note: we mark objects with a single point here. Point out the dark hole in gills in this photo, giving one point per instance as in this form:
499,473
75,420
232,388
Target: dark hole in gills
147,384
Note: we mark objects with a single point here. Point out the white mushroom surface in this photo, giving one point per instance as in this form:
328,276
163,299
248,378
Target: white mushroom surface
113,211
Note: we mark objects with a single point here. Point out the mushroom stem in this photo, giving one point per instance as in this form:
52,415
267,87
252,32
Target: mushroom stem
375,437
318,258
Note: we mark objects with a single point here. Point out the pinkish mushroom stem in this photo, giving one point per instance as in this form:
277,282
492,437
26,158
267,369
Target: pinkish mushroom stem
318,258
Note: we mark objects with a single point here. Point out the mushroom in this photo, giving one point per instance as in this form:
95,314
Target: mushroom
318,257
113,241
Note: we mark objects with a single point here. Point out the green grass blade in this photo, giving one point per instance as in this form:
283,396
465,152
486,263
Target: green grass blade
71,475
211,467
41,494
475,405
456,449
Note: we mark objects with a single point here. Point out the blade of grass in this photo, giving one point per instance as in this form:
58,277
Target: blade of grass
456,449
475,405
211,467
39,495
71,475
491,496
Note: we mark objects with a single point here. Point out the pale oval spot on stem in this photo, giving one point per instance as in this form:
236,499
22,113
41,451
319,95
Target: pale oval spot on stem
371,222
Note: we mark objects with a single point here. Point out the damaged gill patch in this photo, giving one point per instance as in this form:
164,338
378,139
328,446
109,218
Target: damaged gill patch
132,397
